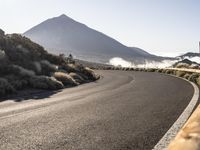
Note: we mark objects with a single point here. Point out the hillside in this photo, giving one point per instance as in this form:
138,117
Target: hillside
25,64
65,35
189,55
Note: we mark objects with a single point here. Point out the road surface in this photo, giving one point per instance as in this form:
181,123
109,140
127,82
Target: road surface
122,110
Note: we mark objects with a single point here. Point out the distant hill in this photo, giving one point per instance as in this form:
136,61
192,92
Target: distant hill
65,35
189,55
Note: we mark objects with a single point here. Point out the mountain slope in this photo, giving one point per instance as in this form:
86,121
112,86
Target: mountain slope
64,35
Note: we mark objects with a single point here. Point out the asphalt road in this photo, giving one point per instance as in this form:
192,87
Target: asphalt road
123,110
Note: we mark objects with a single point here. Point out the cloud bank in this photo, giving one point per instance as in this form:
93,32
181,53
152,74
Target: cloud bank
117,61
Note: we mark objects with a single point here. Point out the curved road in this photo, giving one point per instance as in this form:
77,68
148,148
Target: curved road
123,110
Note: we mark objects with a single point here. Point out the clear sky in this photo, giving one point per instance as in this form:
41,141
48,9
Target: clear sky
163,27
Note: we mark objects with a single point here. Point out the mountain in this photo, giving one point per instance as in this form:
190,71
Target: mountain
65,35
139,50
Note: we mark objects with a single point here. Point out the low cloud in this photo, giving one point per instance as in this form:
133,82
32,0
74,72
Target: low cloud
117,61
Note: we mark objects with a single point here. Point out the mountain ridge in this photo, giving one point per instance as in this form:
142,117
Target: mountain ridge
63,34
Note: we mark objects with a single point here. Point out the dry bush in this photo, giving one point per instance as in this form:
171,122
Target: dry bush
66,79
159,70
182,65
193,77
180,73
194,66
90,74
44,82
168,71
6,87
198,81
186,76
77,77
72,68
131,69
151,70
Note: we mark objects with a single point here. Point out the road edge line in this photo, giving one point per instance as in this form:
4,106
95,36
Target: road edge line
179,123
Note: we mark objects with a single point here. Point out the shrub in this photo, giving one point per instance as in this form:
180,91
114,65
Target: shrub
90,74
44,82
159,70
168,71
22,72
72,68
136,69
198,80
180,73
131,69
164,71
151,70
77,77
66,79
193,77
194,66
37,67
17,82
47,67
2,55
182,65
186,76
5,87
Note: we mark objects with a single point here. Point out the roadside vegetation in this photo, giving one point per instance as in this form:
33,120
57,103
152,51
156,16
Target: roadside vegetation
191,76
26,65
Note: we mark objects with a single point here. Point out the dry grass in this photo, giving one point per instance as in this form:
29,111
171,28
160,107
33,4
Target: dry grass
193,77
77,77
180,73
65,78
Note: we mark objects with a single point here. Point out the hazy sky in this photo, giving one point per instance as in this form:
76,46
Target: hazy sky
166,27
